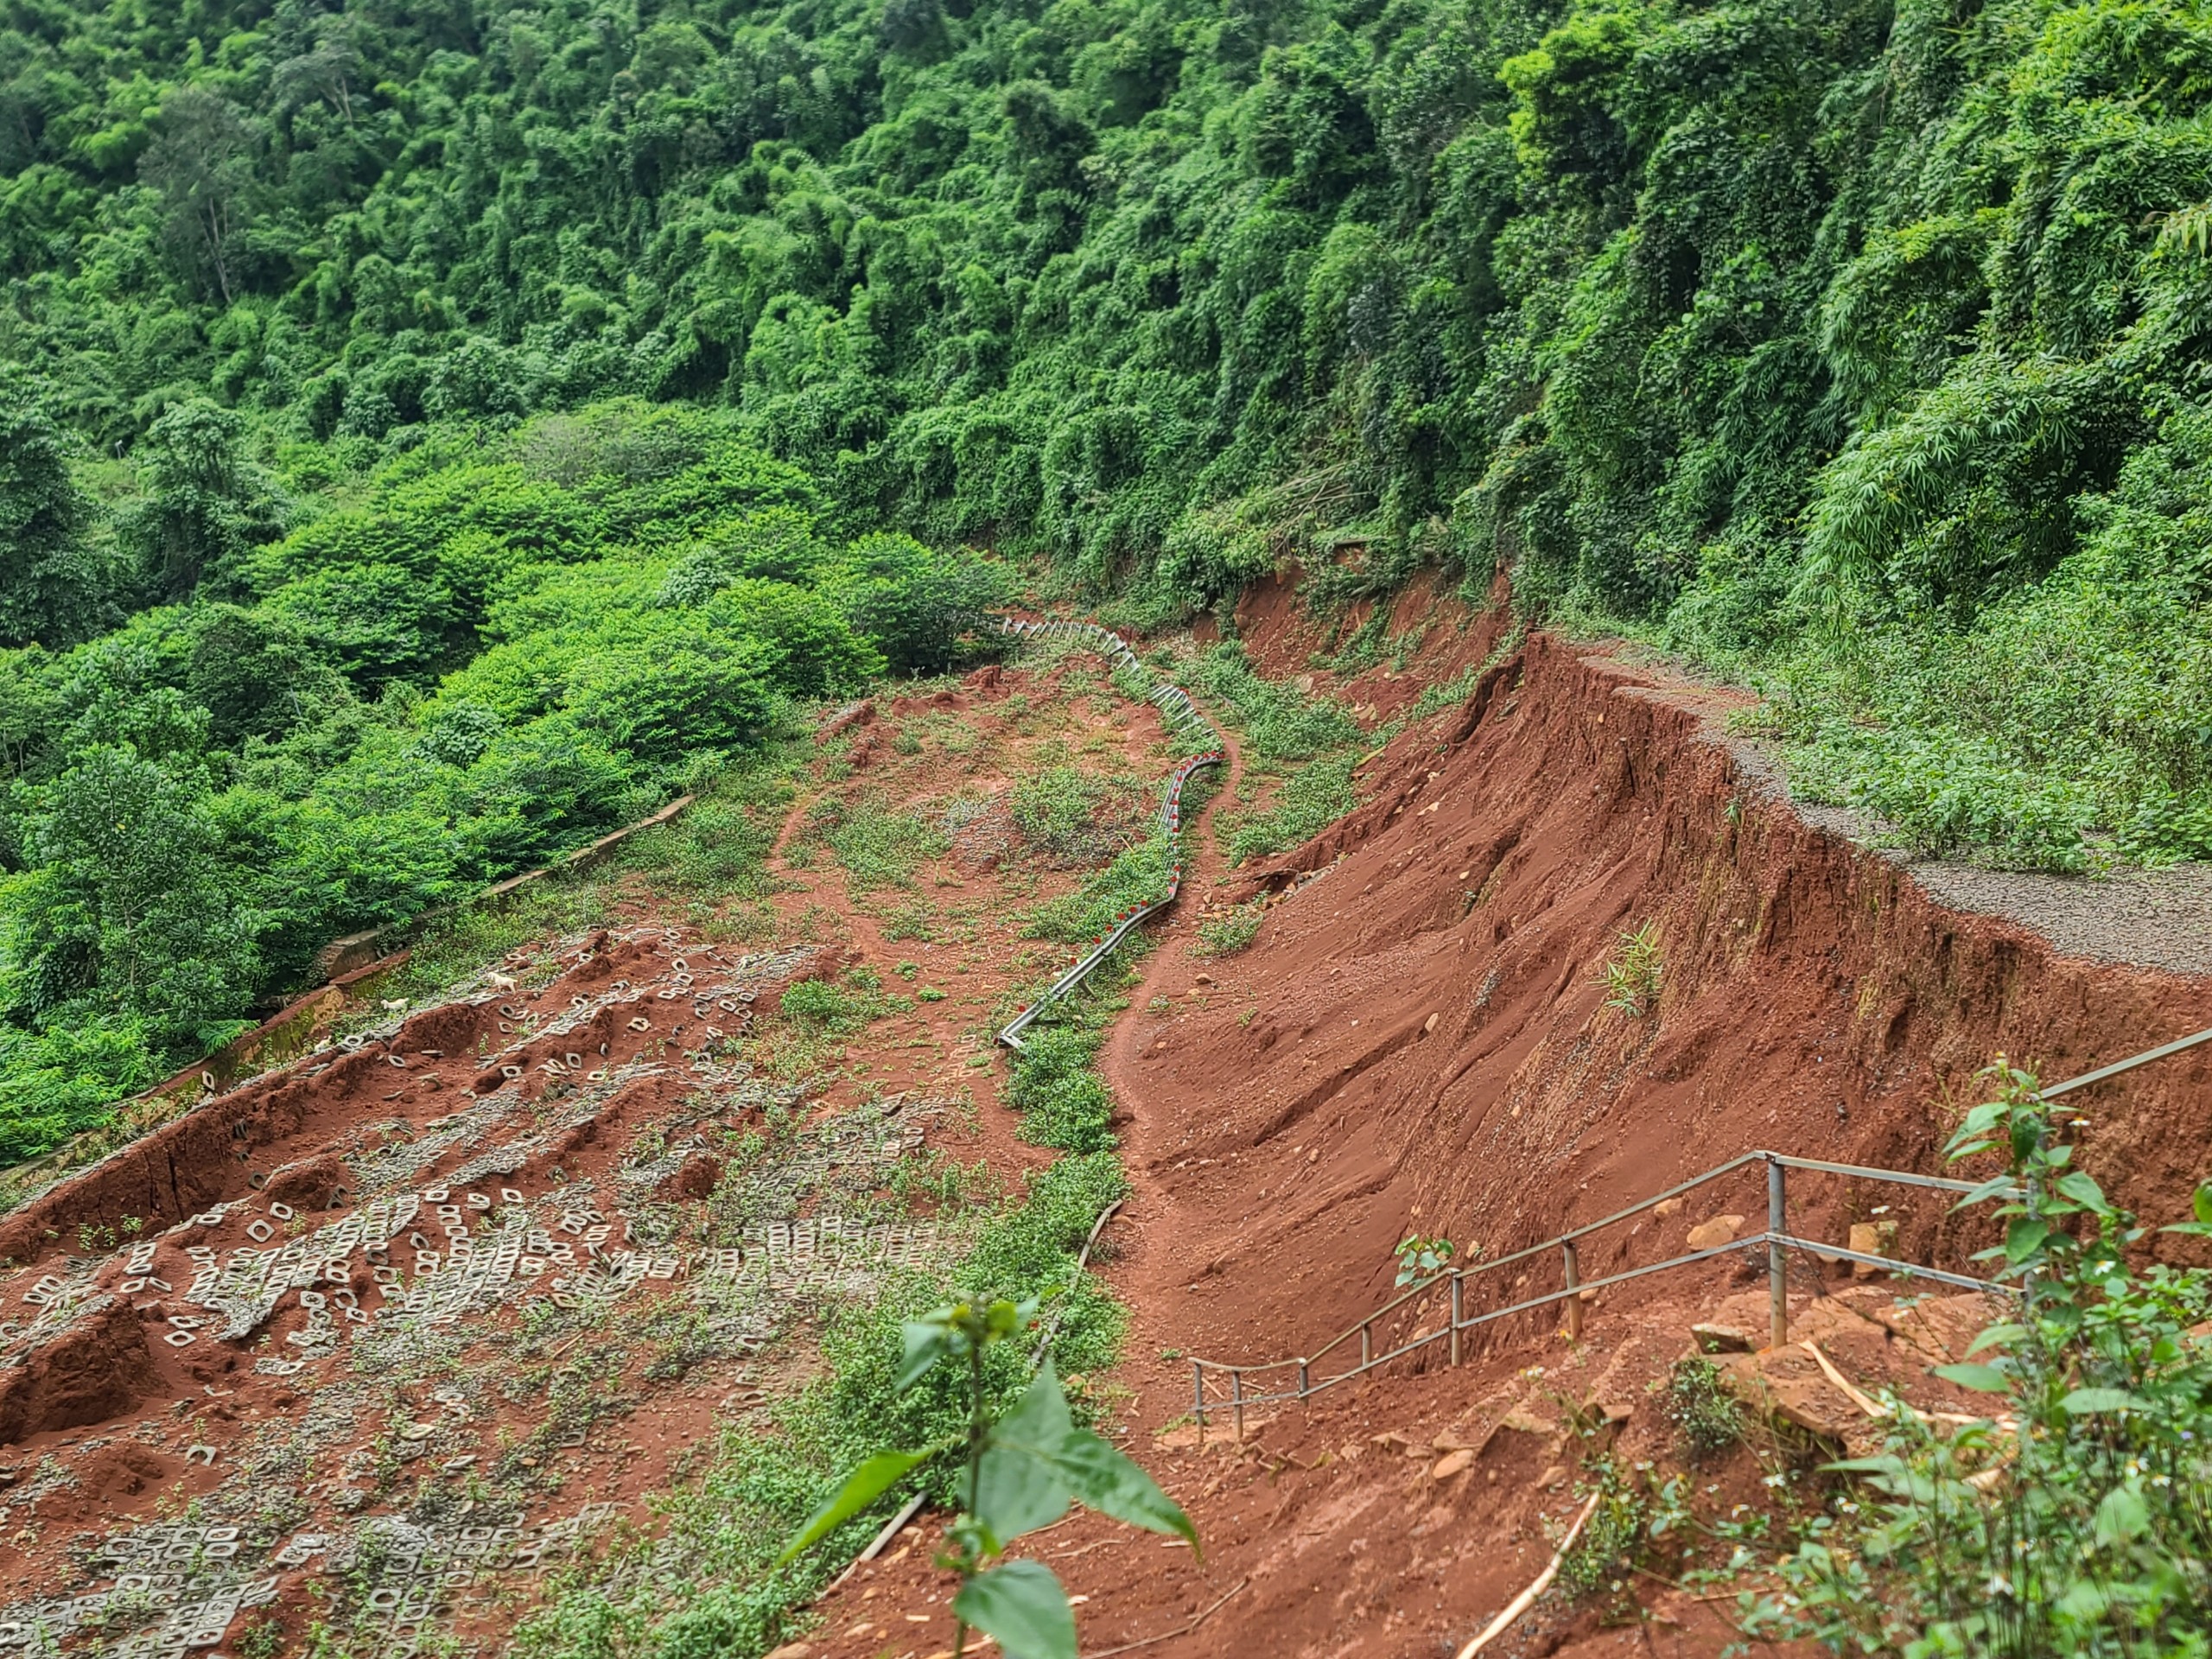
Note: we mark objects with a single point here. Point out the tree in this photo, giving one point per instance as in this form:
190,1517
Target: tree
205,507
202,163
328,72
132,904
921,607
53,588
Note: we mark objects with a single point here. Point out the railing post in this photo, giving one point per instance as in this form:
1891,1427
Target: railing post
1777,1270
1199,1396
1366,1343
1573,1285
1237,1401
1305,1379
1459,1311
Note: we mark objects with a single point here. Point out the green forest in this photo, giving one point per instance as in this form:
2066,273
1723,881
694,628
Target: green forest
432,433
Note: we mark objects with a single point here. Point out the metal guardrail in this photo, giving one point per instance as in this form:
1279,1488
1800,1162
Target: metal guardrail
1185,721
1775,1239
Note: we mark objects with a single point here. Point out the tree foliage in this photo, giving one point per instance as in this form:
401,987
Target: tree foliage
475,657
1855,346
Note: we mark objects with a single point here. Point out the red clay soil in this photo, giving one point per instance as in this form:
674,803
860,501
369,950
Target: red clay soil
1419,1042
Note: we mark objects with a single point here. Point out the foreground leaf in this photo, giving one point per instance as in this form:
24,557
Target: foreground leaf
1983,1379
861,1488
1104,1479
2122,1516
927,1342
1018,1488
2082,1402
1022,1604
1997,1336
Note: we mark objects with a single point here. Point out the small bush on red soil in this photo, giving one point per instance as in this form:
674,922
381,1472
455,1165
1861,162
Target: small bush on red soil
2072,1519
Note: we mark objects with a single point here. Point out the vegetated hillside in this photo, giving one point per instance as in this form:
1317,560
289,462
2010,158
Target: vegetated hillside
1852,343
468,659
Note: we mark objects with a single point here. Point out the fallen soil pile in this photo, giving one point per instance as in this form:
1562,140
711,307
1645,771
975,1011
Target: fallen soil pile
1419,1040
455,1300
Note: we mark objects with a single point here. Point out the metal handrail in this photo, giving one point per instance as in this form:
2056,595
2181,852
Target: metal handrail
1182,715
1775,1239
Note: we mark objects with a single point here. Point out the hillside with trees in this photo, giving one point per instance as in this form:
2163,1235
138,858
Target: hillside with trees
434,433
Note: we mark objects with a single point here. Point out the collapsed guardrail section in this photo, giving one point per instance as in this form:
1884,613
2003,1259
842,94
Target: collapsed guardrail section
1186,723
1775,1239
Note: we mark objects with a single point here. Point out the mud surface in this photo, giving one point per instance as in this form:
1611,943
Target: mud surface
1422,1038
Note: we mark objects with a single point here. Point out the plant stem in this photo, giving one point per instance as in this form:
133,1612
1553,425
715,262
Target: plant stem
979,1430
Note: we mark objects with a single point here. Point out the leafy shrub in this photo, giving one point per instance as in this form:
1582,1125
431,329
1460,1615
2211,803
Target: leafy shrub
1706,1417
2070,1519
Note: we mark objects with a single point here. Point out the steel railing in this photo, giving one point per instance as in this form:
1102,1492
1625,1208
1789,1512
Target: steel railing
1185,722
1775,1239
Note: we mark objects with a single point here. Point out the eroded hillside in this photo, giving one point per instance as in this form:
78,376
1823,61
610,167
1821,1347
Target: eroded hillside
503,1328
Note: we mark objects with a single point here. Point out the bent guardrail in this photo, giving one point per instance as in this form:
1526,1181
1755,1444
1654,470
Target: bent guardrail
1775,1239
1185,721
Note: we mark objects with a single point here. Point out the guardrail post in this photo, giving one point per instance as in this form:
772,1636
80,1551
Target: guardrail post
1198,1397
1366,1344
1237,1401
1459,1311
1304,1381
1778,1269
1573,1285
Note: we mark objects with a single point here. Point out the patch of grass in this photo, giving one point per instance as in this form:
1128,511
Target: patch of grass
1138,876
1076,818
877,845
1706,1418
1063,1100
1310,799
1234,930
1632,977
1279,721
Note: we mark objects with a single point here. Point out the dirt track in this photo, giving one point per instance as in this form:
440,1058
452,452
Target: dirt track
1417,1041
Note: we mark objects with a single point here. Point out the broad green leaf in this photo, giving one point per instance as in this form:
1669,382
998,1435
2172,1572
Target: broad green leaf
862,1487
2078,1186
1979,1121
2084,1601
1983,1379
1107,1481
2024,1237
1997,1336
2122,1515
1018,1489
1022,1604
2202,1204
1888,1464
2083,1401
2001,1187
927,1341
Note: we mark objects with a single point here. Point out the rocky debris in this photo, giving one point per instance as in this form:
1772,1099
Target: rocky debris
1873,1238
1712,1234
1720,1338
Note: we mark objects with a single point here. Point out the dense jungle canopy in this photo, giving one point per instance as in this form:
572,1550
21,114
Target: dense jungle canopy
437,429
